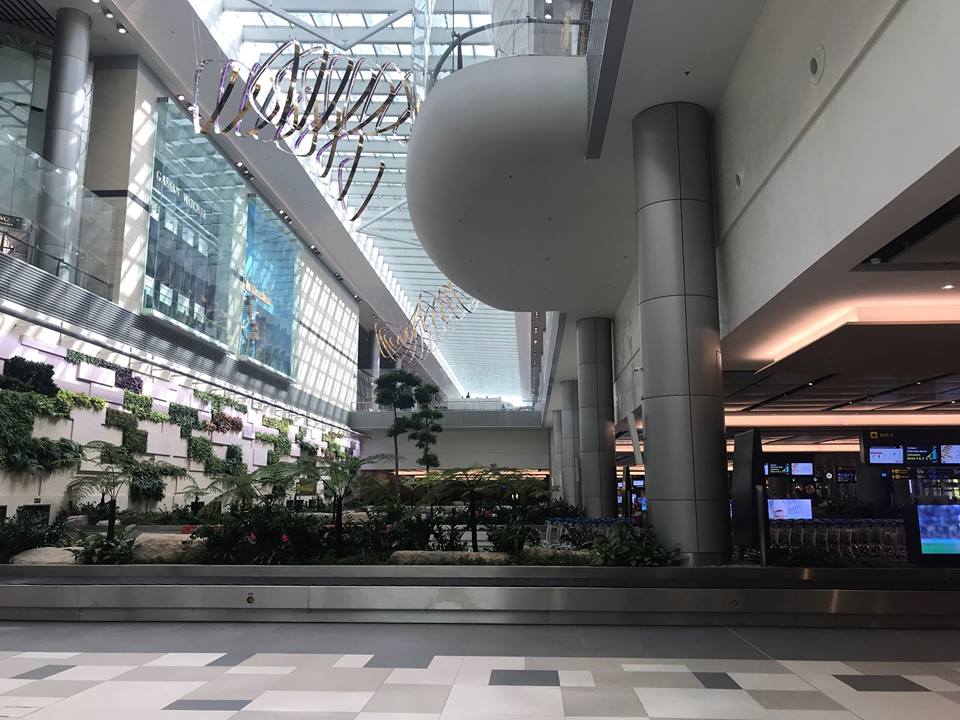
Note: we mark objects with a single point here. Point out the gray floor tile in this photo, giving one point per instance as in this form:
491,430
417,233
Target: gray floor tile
794,700
849,645
400,660
231,659
53,688
208,705
601,702
662,680
529,678
880,683
44,671
333,679
955,696
424,699
266,715
716,681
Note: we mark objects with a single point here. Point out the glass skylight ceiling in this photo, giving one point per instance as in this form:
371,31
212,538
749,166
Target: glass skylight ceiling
481,350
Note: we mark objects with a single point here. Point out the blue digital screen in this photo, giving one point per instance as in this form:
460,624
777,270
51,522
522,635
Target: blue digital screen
939,529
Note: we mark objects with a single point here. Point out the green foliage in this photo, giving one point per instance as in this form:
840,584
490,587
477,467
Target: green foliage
26,531
389,527
141,407
186,417
22,375
19,450
120,420
125,379
87,402
281,445
218,402
135,441
99,549
624,545
395,388
199,448
281,424
264,535
231,465
424,424
513,533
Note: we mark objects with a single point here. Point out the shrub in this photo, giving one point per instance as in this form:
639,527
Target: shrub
232,465
264,536
22,375
87,402
135,441
27,531
125,379
281,424
223,423
513,533
96,549
281,445
624,545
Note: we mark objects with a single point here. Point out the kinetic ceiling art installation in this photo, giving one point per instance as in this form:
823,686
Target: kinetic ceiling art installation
294,105
432,316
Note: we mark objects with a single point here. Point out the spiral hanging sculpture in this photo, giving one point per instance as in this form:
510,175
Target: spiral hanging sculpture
433,314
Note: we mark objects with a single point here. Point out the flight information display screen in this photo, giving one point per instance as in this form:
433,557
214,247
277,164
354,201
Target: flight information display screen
922,454
846,474
778,509
950,454
801,469
886,455
777,469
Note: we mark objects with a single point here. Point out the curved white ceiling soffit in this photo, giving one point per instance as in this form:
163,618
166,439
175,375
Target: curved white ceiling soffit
504,201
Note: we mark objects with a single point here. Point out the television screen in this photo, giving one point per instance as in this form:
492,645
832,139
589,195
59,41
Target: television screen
939,529
950,454
922,454
803,469
790,509
776,469
886,455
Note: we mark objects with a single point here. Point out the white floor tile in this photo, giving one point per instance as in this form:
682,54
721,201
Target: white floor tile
10,685
93,672
185,659
310,700
653,667
688,704
443,670
353,661
476,670
932,682
576,678
260,670
47,655
770,681
396,716
471,701
803,668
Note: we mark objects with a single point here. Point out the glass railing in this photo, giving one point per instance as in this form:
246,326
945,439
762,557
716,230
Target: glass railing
446,41
80,221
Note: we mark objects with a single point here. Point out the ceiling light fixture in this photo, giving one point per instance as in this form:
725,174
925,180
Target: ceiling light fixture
108,13
948,287
121,29
181,98
548,16
96,2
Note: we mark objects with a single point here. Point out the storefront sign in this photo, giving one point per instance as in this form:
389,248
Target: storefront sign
172,187
11,221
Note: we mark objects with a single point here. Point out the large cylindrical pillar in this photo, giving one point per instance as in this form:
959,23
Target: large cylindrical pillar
556,455
682,404
598,479
374,356
570,430
58,214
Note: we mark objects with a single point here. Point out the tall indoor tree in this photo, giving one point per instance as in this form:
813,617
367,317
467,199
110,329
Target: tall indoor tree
395,390
424,425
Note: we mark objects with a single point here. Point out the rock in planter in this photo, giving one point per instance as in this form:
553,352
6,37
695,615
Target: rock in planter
45,556
167,548
447,557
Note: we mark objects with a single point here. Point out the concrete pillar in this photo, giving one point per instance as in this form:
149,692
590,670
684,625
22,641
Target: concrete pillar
682,403
556,455
598,480
570,443
58,221
374,356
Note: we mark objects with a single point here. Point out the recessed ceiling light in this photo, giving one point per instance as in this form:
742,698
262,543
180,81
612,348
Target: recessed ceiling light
548,16
96,2
239,164
108,13
947,287
121,29
181,98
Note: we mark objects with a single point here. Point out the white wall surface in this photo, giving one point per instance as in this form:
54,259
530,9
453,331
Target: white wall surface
519,448
819,160
627,383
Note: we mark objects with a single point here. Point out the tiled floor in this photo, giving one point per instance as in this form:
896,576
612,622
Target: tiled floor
148,671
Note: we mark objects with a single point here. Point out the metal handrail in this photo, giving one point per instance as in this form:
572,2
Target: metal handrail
31,258
460,37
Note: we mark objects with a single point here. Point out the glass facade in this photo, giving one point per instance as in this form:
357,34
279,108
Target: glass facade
197,230
270,283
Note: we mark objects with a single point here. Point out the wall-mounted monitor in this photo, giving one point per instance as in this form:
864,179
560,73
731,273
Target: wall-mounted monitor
801,469
922,454
846,474
780,509
776,469
939,529
885,455
950,454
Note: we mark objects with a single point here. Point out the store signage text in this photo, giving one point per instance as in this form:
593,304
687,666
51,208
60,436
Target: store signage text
171,186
